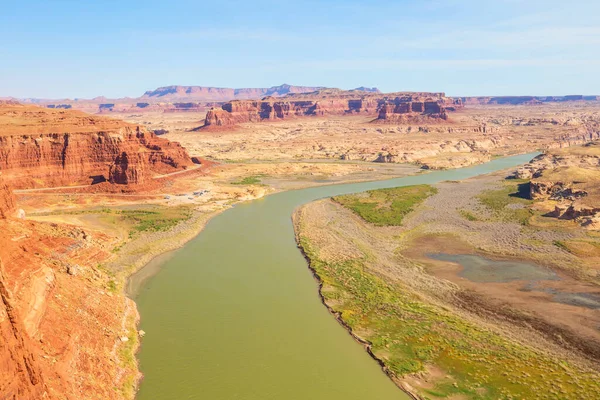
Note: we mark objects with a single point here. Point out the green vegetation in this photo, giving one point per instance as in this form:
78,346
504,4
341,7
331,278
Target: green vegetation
561,245
155,220
128,360
584,247
508,203
469,216
384,207
408,335
249,180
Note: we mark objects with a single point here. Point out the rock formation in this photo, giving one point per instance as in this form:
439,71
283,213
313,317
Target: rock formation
569,179
20,373
128,169
413,108
59,331
48,147
7,200
394,108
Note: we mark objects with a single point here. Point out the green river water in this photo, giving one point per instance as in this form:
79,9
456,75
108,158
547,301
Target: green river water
235,313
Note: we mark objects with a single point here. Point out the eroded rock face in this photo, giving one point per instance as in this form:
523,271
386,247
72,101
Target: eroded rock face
7,200
128,169
49,148
59,328
569,178
413,108
395,108
20,373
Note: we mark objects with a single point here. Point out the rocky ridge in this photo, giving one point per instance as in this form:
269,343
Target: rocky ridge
391,107
203,93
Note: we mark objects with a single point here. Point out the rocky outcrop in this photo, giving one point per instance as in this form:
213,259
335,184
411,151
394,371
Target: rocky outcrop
60,329
62,147
7,200
567,179
394,108
20,373
128,169
555,191
405,109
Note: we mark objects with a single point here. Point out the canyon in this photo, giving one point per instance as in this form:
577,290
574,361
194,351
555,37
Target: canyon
86,200
179,98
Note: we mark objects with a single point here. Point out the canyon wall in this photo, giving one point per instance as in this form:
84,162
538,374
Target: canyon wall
61,329
20,372
7,200
393,108
48,147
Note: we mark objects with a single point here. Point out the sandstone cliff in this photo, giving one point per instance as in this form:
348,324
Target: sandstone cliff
7,200
393,108
60,329
48,147
20,372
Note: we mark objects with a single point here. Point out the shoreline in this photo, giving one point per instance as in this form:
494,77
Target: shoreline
364,343
193,230
198,226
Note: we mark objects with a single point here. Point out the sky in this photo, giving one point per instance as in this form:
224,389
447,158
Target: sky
116,48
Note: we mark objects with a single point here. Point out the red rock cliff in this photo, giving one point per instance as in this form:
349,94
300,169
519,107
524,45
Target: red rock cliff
388,107
45,147
20,373
7,200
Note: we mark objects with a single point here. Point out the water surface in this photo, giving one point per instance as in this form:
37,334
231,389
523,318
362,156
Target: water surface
235,313
485,270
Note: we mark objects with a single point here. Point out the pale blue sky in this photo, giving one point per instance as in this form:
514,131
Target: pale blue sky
68,48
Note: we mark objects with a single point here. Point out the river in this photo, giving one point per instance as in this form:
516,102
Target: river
235,313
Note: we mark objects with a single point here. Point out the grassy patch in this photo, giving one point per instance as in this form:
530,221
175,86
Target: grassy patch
507,203
386,206
469,216
580,247
128,360
155,220
408,334
249,180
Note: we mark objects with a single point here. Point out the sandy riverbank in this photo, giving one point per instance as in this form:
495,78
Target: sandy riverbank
356,261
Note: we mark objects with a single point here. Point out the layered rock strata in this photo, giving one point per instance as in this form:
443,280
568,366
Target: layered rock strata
20,372
394,107
46,148
7,200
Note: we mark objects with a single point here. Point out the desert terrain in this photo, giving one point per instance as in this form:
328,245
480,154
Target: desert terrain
87,199
494,266
471,135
